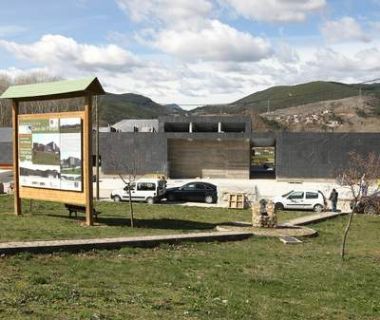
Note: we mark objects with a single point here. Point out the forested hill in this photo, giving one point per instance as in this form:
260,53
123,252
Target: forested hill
282,97
112,108
116,107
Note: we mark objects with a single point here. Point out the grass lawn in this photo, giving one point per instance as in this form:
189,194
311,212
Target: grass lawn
49,220
71,171
259,278
49,158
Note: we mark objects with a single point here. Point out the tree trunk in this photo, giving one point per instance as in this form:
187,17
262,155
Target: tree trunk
130,206
348,226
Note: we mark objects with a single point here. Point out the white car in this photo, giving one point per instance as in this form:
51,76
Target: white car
301,200
146,190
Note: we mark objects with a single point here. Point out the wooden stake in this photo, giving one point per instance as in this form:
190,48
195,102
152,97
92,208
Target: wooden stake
16,190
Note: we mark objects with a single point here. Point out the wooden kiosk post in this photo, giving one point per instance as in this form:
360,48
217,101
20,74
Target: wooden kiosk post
83,196
17,200
87,154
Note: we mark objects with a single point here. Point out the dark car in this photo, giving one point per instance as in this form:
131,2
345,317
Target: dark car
193,191
369,204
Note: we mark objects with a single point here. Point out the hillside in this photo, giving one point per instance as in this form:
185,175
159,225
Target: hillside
116,107
112,108
353,114
288,96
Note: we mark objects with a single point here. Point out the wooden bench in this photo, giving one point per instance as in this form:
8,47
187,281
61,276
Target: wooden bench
74,209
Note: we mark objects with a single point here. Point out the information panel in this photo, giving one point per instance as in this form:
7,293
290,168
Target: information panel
50,153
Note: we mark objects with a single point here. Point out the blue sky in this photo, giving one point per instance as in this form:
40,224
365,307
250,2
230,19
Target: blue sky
192,52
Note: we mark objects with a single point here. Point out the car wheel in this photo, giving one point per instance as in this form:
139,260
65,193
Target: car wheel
150,200
370,210
318,208
209,199
171,197
116,199
279,206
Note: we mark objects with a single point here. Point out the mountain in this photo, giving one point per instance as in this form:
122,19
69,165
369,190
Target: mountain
173,107
281,97
116,107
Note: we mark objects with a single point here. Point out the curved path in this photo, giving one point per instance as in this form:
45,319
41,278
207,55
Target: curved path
144,241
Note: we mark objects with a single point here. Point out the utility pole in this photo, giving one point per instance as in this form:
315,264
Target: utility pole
97,147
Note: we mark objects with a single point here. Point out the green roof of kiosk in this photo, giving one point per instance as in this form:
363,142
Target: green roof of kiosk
54,90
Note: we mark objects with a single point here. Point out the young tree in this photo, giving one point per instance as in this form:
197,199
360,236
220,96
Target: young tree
129,178
363,171
126,170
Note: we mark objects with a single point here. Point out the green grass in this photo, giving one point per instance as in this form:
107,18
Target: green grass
71,170
48,158
259,278
49,220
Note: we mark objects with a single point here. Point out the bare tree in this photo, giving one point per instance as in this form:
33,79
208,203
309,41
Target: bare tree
126,170
363,171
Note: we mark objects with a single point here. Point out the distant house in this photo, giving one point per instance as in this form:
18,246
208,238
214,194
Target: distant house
51,147
71,162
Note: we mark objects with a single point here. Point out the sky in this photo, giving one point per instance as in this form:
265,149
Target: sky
192,52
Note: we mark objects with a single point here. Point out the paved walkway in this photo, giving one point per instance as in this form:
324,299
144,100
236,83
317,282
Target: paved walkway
46,246
114,243
313,218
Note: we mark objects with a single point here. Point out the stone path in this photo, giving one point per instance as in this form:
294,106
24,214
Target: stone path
46,246
313,218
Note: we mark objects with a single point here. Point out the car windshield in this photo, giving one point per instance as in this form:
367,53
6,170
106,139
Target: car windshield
286,194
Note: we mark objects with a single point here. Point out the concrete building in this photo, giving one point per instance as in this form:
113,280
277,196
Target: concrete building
5,147
223,147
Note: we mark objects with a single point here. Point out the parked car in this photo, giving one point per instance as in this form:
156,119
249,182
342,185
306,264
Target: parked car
193,191
301,200
147,190
368,204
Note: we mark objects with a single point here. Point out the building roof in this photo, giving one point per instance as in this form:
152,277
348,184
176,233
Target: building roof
54,90
5,134
143,125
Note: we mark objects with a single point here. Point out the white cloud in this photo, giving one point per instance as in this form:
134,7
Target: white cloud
344,29
285,53
220,69
214,42
17,73
57,51
186,30
343,64
168,12
276,10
